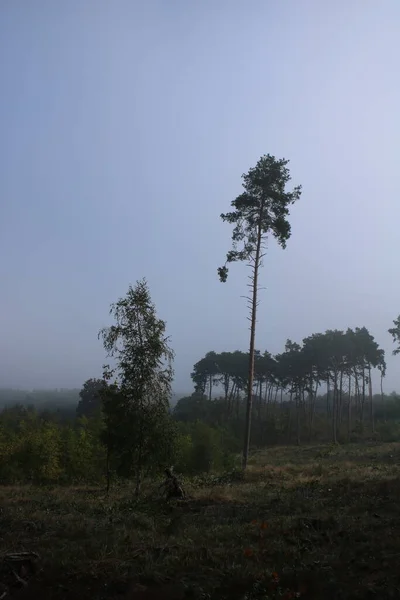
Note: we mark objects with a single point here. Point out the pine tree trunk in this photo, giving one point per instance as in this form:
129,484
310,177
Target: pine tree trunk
276,397
313,399
252,341
290,416
363,395
257,397
327,397
334,410
349,412
226,391
371,404
298,418
357,394
231,399
341,398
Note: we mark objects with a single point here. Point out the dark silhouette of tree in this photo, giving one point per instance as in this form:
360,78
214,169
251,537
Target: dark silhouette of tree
261,210
191,408
204,373
89,404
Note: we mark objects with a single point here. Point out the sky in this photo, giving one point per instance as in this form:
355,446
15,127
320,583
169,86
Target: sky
125,129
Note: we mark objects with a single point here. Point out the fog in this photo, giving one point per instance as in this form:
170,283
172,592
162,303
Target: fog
125,128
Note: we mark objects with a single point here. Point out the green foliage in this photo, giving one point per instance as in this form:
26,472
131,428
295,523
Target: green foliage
395,333
203,448
83,453
136,406
262,209
39,451
206,452
90,400
204,373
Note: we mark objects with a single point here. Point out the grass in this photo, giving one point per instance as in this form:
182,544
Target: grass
309,522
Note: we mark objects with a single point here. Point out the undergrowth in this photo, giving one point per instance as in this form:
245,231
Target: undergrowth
312,522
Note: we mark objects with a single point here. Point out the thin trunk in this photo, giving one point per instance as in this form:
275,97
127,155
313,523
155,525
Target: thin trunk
371,404
327,396
274,405
313,399
341,398
349,412
290,416
298,417
237,404
231,398
334,409
257,397
363,395
276,395
383,399
252,340
357,394
226,391
210,388
270,390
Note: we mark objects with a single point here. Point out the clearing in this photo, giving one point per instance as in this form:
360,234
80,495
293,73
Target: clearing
309,522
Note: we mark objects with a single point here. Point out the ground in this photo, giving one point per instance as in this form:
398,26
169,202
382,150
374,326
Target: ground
308,522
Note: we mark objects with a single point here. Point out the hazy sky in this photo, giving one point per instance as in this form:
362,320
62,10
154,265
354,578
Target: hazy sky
125,128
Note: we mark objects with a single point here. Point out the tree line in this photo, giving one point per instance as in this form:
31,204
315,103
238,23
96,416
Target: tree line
64,400
341,361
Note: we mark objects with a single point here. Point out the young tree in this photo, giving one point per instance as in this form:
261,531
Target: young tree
382,371
144,375
262,209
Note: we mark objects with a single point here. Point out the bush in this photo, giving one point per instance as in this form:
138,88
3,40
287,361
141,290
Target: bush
390,431
210,449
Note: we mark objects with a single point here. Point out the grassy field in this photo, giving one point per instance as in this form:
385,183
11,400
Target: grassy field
310,522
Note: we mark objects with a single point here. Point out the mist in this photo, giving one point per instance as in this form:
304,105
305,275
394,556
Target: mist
125,130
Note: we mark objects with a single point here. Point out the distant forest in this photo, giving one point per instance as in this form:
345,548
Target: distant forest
52,400
64,400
